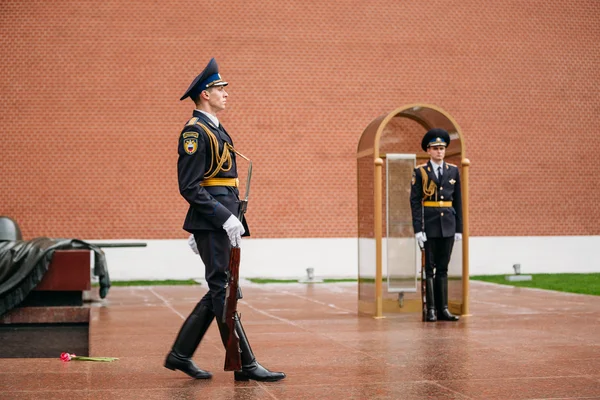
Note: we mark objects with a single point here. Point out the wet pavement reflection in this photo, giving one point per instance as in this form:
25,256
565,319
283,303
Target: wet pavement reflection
516,344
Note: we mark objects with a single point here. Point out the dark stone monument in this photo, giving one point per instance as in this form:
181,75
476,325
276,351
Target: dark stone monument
52,318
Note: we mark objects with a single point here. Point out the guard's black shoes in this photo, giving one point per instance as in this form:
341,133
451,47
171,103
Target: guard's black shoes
191,333
251,369
187,366
442,295
257,372
445,315
429,300
431,315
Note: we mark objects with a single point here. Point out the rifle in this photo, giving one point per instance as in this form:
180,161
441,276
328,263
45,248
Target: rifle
423,262
423,285
233,361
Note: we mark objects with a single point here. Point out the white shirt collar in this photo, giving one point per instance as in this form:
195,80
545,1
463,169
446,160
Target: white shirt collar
214,119
436,166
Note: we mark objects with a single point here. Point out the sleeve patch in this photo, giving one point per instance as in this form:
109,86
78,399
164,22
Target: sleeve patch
190,145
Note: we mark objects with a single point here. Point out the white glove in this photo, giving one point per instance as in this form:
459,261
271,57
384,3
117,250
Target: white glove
235,230
421,238
192,244
457,237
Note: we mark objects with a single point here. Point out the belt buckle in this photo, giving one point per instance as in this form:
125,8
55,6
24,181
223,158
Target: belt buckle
441,204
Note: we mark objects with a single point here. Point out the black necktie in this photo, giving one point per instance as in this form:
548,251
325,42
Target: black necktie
440,173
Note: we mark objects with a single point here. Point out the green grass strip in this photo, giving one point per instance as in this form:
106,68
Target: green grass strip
153,283
571,283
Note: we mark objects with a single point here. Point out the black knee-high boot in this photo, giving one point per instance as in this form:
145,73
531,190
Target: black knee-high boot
431,300
442,293
191,333
251,369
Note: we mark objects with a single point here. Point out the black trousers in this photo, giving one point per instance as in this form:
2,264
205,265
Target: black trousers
214,248
437,256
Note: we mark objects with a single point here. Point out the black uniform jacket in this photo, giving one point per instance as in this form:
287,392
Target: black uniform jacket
210,206
438,221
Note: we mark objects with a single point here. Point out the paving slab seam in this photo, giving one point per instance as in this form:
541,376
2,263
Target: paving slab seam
558,292
510,287
518,378
437,383
584,314
166,302
265,389
321,303
507,306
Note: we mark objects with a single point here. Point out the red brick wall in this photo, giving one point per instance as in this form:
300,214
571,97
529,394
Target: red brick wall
90,111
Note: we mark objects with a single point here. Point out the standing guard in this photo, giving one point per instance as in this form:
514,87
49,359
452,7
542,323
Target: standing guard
436,204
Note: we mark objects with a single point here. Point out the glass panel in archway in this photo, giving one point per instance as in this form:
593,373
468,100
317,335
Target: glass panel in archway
400,243
366,235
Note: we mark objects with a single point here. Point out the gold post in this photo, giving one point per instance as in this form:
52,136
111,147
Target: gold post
378,248
465,242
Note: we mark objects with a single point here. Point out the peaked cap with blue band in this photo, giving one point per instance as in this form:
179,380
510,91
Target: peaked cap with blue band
208,78
435,137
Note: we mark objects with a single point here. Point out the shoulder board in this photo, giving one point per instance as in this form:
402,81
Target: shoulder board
422,165
193,129
188,134
452,165
192,121
205,129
